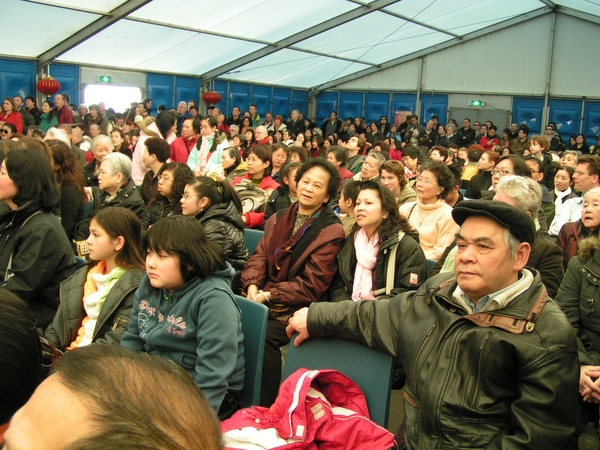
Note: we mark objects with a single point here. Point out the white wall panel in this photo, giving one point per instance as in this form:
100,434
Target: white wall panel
512,61
403,77
576,58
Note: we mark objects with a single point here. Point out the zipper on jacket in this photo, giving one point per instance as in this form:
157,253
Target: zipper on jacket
425,340
479,366
114,327
64,317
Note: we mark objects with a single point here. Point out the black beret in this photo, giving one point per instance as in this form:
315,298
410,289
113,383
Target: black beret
519,223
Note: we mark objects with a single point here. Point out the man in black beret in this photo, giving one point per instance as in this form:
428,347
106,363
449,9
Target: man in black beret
490,360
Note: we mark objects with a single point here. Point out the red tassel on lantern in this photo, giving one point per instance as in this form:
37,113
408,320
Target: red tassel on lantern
48,85
211,97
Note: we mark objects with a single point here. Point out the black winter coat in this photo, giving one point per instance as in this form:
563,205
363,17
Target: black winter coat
410,273
157,210
127,197
279,199
223,225
42,257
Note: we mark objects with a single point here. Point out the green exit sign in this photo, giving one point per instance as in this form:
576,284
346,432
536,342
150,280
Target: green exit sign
105,79
477,103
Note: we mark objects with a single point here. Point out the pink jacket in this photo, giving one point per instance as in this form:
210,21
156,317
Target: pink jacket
321,409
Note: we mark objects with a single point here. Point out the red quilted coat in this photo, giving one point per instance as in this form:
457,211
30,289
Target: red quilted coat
315,409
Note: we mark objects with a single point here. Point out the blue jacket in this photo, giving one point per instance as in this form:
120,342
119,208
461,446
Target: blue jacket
198,328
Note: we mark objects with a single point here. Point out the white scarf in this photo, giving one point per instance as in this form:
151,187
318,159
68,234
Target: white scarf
366,257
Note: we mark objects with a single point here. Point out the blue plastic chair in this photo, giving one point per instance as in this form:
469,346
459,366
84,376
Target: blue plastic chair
430,264
370,369
252,238
79,261
254,327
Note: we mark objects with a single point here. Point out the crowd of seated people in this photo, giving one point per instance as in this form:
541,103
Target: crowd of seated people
169,195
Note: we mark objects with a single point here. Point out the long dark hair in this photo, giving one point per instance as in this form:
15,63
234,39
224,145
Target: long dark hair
69,171
165,121
215,191
173,235
118,221
31,172
21,356
394,221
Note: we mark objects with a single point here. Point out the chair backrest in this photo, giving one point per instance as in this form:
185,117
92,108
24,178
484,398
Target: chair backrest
370,369
79,262
254,327
252,237
430,264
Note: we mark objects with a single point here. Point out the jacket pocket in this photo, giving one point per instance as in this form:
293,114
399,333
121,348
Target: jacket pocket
586,303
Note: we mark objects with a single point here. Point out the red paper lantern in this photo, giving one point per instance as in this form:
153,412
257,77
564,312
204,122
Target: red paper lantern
211,97
48,85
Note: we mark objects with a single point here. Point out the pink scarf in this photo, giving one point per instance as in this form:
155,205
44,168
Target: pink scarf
366,256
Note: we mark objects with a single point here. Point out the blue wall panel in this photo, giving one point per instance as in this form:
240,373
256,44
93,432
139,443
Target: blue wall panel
326,102
17,77
351,105
433,105
282,99
68,75
591,121
376,105
567,116
262,98
160,90
299,102
186,89
221,87
239,95
528,111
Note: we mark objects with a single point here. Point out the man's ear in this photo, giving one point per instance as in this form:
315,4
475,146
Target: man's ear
522,255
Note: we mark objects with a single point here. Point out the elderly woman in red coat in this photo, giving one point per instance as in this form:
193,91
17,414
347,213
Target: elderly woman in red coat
295,261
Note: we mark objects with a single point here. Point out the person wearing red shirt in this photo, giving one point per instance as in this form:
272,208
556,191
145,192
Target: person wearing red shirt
10,114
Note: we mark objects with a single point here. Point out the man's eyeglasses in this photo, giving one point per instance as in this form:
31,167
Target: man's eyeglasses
502,173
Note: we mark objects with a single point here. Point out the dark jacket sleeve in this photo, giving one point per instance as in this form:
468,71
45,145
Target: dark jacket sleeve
549,263
118,326
131,338
71,209
569,297
29,277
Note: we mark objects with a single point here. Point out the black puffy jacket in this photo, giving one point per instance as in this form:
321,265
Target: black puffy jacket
410,273
278,200
223,226
42,257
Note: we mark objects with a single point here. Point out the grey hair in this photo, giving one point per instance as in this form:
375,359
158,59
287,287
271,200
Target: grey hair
450,125
512,243
119,163
102,140
379,157
57,133
524,191
593,191
575,153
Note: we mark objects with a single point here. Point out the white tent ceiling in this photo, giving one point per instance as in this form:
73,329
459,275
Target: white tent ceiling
312,44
